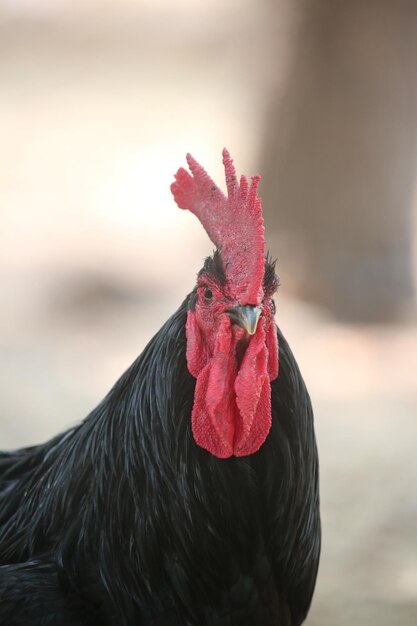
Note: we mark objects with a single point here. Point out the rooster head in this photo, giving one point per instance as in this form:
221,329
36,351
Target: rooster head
232,348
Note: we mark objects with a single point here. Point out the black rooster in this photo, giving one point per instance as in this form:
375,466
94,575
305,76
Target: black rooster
189,496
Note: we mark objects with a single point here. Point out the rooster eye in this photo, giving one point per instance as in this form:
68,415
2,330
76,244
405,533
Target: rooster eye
208,294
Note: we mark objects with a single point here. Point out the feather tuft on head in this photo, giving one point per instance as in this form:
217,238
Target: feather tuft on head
233,223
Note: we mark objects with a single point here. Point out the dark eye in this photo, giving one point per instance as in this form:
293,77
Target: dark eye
208,294
273,307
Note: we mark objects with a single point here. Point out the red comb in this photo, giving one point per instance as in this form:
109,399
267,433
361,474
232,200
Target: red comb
234,224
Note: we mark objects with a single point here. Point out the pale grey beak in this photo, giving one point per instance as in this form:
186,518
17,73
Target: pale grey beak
247,317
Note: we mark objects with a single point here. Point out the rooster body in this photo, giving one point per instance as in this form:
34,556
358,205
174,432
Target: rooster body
129,519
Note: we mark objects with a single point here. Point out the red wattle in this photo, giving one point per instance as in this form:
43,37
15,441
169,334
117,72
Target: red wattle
232,408
214,410
253,396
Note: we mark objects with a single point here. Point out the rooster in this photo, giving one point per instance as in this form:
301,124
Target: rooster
189,496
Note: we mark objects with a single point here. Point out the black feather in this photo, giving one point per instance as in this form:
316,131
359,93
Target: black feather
125,520
213,266
270,280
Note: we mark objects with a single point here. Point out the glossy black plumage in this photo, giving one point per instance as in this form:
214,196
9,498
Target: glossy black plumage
124,520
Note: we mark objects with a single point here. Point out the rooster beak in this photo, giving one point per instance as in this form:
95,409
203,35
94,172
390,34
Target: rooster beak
245,316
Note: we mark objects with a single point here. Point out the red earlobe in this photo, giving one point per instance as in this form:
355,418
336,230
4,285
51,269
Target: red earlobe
197,350
272,347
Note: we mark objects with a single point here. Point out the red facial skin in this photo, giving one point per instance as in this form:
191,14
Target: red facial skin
232,401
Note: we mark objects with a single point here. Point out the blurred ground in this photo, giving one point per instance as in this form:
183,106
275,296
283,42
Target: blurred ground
98,107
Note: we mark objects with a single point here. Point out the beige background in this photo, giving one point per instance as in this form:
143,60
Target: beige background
99,102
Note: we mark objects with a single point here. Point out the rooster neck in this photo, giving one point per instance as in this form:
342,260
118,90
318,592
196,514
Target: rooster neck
129,487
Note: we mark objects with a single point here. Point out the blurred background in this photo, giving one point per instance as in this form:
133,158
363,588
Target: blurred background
99,102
